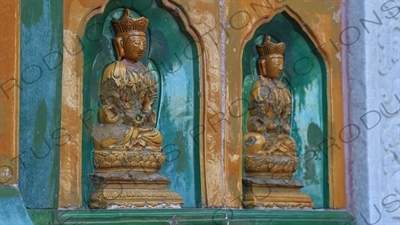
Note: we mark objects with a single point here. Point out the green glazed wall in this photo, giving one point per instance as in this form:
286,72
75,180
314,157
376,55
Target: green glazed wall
172,57
40,102
305,77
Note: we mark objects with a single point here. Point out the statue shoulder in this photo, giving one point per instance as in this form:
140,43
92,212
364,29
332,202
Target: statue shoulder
262,85
257,91
115,70
258,83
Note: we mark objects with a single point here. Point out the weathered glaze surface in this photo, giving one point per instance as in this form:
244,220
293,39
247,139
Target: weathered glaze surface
218,90
172,59
40,103
320,22
45,129
269,150
304,76
127,147
76,14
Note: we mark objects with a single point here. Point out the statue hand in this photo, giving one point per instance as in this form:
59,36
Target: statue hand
286,128
271,126
258,124
131,118
127,119
139,119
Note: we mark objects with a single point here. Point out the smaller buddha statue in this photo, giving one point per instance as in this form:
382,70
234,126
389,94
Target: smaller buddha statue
269,150
270,106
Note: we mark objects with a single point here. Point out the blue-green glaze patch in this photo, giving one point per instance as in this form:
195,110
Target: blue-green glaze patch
33,13
40,101
40,124
12,209
305,77
172,57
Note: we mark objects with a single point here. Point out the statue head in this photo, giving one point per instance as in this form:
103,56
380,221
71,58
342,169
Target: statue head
271,62
130,40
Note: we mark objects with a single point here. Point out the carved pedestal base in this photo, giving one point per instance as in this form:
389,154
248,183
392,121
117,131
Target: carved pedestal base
273,192
133,190
270,164
129,179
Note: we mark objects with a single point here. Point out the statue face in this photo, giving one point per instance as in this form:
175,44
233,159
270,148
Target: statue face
134,47
272,66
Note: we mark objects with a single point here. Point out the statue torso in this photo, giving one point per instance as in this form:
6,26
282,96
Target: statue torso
140,83
129,89
126,117
269,100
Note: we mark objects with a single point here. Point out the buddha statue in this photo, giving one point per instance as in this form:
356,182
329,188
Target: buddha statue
127,146
128,91
270,106
269,150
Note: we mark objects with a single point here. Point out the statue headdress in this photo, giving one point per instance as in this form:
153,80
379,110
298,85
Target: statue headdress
128,24
269,48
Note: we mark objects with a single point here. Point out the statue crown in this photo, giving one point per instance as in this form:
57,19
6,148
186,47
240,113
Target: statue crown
127,23
269,48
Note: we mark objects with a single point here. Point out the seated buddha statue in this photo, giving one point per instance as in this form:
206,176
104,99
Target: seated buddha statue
128,148
269,152
128,91
269,107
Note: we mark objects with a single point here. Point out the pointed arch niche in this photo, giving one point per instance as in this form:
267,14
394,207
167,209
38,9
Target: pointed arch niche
305,77
173,58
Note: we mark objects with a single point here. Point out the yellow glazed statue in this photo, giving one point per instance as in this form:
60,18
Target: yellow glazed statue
269,150
128,91
128,148
270,106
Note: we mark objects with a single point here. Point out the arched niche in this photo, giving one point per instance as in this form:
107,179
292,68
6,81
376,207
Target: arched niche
172,57
305,77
